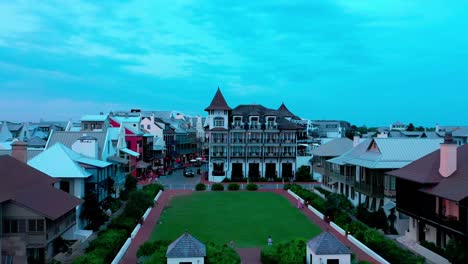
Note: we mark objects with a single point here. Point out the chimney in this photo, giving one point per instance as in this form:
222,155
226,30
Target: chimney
437,128
448,156
19,151
356,141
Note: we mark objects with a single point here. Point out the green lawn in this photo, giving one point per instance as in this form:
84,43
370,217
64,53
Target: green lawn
245,217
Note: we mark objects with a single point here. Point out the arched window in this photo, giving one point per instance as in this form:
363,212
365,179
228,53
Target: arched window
218,122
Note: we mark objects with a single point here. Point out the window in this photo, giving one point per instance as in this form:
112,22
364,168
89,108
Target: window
148,126
65,186
21,226
36,225
218,122
40,225
86,126
14,226
6,226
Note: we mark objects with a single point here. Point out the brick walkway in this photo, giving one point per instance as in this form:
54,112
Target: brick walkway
145,231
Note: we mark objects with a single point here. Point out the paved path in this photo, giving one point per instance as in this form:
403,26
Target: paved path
361,255
145,231
249,255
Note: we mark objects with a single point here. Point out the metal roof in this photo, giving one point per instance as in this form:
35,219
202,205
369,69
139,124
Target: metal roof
352,153
327,244
333,148
59,161
186,246
394,153
130,152
68,138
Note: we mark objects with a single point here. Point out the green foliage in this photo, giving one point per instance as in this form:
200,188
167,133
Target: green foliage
112,204
200,187
94,257
287,186
217,187
456,251
289,252
314,200
221,254
92,212
123,223
376,219
152,189
410,127
107,244
137,204
303,174
433,247
150,247
251,187
337,202
233,187
322,191
130,185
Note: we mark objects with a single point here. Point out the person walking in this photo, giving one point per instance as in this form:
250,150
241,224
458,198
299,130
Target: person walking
270,241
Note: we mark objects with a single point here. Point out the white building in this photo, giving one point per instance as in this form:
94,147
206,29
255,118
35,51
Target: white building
186,249
326,248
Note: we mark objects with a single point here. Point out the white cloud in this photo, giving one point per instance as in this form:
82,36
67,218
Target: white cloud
35,72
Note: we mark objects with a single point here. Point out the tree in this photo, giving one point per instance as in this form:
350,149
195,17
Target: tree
303,174
456,251
92,211
410,127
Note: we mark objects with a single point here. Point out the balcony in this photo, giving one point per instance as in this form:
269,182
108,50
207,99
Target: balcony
218,154
237,141
370,190
341,178
237,125
255,141
237,154
271,154
271,141
254,126
254,154
272,126
389,193
287,154
219,141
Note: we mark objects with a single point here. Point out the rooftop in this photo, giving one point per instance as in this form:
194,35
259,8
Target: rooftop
327,244
186,246
334,148
218,102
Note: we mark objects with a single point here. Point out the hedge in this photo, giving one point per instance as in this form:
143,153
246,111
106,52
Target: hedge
252,187
217,187
152,189
200,187
386,248
292,252
233,187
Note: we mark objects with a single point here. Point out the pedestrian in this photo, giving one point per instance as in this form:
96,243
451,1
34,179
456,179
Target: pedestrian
270,241
231,244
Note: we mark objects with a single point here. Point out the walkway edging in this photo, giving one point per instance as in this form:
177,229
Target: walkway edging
127,244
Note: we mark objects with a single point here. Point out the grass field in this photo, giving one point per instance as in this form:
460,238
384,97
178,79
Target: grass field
245,217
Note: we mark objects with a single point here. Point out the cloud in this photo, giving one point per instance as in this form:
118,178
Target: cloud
37,73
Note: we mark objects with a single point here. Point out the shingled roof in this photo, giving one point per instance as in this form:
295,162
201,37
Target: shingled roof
327,244
283,111
186,246
33,189
218,102
426,171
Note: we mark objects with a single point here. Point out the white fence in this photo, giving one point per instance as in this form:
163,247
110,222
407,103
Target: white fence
341,231
127,244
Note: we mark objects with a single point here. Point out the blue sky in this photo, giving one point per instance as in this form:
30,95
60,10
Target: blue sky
368,62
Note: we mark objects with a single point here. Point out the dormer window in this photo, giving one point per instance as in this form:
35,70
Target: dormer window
271,122
237,122
218,122
254,122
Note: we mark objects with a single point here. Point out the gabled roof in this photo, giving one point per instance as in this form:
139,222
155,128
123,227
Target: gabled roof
33,189
394,153
283,111
125,119
327,244
218,102
334,148
352,153
68,138
36,142
59,161
426,171
186,246
30,153
14,126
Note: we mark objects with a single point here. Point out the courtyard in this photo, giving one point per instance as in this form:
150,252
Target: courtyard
247,218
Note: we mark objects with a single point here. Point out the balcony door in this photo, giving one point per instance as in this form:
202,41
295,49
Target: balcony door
237,171
286,170
254,170
270,170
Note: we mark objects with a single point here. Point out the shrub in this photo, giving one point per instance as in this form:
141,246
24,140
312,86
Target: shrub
293,251
137,204
303,174
456,251
200,187
217,187
287,186
130,185
233,187
226,180
323,191
107,244
221,254
252,187
149,247
123,223
433,247
152,189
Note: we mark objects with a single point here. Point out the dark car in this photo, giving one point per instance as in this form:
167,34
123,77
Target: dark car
189,173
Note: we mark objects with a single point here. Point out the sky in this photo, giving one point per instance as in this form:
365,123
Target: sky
367,62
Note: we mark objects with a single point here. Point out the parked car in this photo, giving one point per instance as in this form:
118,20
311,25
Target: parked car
189,173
